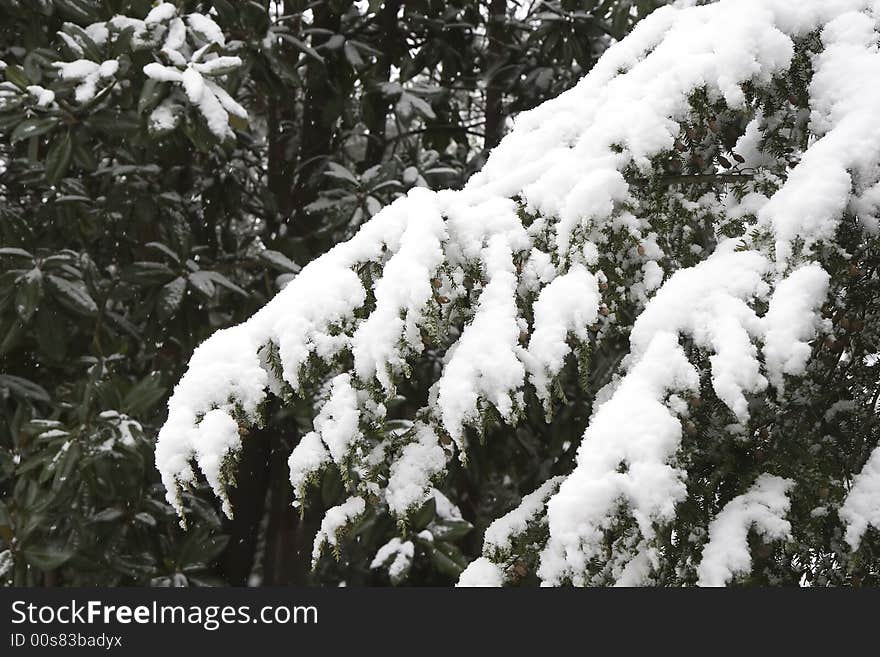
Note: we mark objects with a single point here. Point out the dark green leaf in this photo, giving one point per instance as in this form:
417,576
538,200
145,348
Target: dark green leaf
222,281
47,557
13,252
201,281
144,395
340,172
72,295
451,530
147,273
279,260
152,92
58,159
164,249
12,337
82,11
33,128
52,342
424,515
29,294
170,297
23,388
445,564
145,518
107,515
16,76
352,55
299,45
114,123
84,157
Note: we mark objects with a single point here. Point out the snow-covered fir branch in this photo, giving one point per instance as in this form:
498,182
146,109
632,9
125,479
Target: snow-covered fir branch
688,194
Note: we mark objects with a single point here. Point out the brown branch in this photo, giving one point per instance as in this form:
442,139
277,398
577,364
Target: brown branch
701,178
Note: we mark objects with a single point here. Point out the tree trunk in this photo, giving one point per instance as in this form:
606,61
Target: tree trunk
287,557
376,105
248,499
495,31
280,116
276,172
317,125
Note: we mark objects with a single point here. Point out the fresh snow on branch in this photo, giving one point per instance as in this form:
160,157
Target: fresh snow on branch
88,74
397,555
567,305
862,506
791,322
335,521
481,573
502,280
411,474
763,508
500,536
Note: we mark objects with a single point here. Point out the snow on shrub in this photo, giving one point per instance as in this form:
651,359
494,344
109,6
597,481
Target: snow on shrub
189,53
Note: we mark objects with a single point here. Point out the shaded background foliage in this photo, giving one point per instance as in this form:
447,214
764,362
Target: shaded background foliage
120,250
